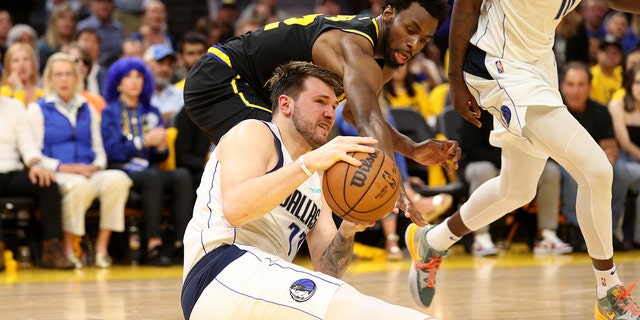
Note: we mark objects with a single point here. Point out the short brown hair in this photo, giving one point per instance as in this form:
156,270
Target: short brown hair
289,79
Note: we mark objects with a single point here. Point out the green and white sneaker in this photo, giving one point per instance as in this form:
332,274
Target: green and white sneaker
425,262
617,305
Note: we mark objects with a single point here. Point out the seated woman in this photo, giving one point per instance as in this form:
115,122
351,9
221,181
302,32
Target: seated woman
153,29
20,74
67,129
85,65
136,141
59,32
625,115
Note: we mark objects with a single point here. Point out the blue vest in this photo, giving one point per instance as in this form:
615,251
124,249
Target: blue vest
61,140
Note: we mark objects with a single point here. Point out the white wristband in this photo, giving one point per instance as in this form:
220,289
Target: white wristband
304,167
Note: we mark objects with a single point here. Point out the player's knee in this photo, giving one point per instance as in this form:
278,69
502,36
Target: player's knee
601,175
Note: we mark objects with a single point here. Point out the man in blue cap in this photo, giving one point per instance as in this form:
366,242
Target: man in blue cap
161,59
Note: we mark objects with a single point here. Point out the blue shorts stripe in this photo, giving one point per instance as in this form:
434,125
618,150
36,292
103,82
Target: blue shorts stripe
474,63
204,272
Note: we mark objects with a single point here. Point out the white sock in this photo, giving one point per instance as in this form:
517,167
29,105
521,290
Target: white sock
440,237
605,280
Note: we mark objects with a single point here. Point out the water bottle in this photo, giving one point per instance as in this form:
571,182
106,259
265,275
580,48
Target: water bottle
133,252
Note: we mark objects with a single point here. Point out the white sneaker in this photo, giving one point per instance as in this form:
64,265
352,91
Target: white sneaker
483,246
76,262
551,244
103,260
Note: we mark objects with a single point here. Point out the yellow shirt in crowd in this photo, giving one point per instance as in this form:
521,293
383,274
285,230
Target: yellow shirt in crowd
603,87
20,95
419,102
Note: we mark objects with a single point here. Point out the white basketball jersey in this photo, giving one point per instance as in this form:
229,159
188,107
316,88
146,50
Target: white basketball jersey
521,30
280,232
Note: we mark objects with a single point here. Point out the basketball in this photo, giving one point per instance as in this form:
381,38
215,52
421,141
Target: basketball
365,193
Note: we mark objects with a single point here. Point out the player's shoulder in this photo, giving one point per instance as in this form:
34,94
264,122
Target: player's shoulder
252,136
251,124
247,130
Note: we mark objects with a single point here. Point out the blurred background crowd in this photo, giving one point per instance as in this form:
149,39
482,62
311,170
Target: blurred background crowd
92,90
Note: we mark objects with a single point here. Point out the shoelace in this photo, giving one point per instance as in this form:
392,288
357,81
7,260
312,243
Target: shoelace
430,268
623,300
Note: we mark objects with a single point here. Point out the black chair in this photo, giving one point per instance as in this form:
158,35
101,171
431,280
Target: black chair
448,123
17,220
413,125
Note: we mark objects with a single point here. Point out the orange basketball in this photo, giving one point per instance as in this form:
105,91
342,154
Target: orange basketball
365,193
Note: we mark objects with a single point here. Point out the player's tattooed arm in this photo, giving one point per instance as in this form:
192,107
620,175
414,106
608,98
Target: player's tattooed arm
336,258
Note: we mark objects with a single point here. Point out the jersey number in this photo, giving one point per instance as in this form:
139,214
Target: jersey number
296,236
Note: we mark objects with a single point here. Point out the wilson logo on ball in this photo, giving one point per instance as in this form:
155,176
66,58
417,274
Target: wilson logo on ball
362,193
359,178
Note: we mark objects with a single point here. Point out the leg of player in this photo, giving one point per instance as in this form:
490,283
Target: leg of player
587,163
514,187
257,286
349,303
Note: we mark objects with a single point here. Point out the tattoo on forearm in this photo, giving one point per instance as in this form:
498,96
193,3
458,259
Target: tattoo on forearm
337,257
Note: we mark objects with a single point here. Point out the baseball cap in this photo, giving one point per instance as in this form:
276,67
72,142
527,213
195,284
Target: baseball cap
159,52
610,40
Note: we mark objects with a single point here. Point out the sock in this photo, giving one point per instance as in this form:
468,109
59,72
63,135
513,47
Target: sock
440,237
605,280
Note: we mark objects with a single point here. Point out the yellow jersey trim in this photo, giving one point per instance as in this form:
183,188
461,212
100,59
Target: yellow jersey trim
218,53
242,97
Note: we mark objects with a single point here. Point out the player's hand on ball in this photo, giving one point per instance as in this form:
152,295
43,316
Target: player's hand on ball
336,150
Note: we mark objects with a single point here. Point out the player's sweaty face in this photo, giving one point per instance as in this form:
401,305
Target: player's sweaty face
409,33
314,113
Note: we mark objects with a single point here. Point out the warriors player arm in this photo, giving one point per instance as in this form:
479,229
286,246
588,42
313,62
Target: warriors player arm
351,56
242,176
632,6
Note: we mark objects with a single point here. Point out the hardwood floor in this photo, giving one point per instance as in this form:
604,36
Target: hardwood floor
512,285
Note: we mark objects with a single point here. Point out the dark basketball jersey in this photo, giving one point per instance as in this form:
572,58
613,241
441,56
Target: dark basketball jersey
254,56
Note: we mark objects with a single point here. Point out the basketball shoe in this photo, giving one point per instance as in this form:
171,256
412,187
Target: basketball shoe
617,305
425,262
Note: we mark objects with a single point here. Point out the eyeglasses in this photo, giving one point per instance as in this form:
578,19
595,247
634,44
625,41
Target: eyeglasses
77,60
62,74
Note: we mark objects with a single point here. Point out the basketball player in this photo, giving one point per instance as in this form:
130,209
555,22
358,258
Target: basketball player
503,51
226,86
254,212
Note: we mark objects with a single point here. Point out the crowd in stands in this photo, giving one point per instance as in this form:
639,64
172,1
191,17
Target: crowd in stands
93,107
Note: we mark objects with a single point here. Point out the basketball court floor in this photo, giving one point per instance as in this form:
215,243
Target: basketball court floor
513,285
